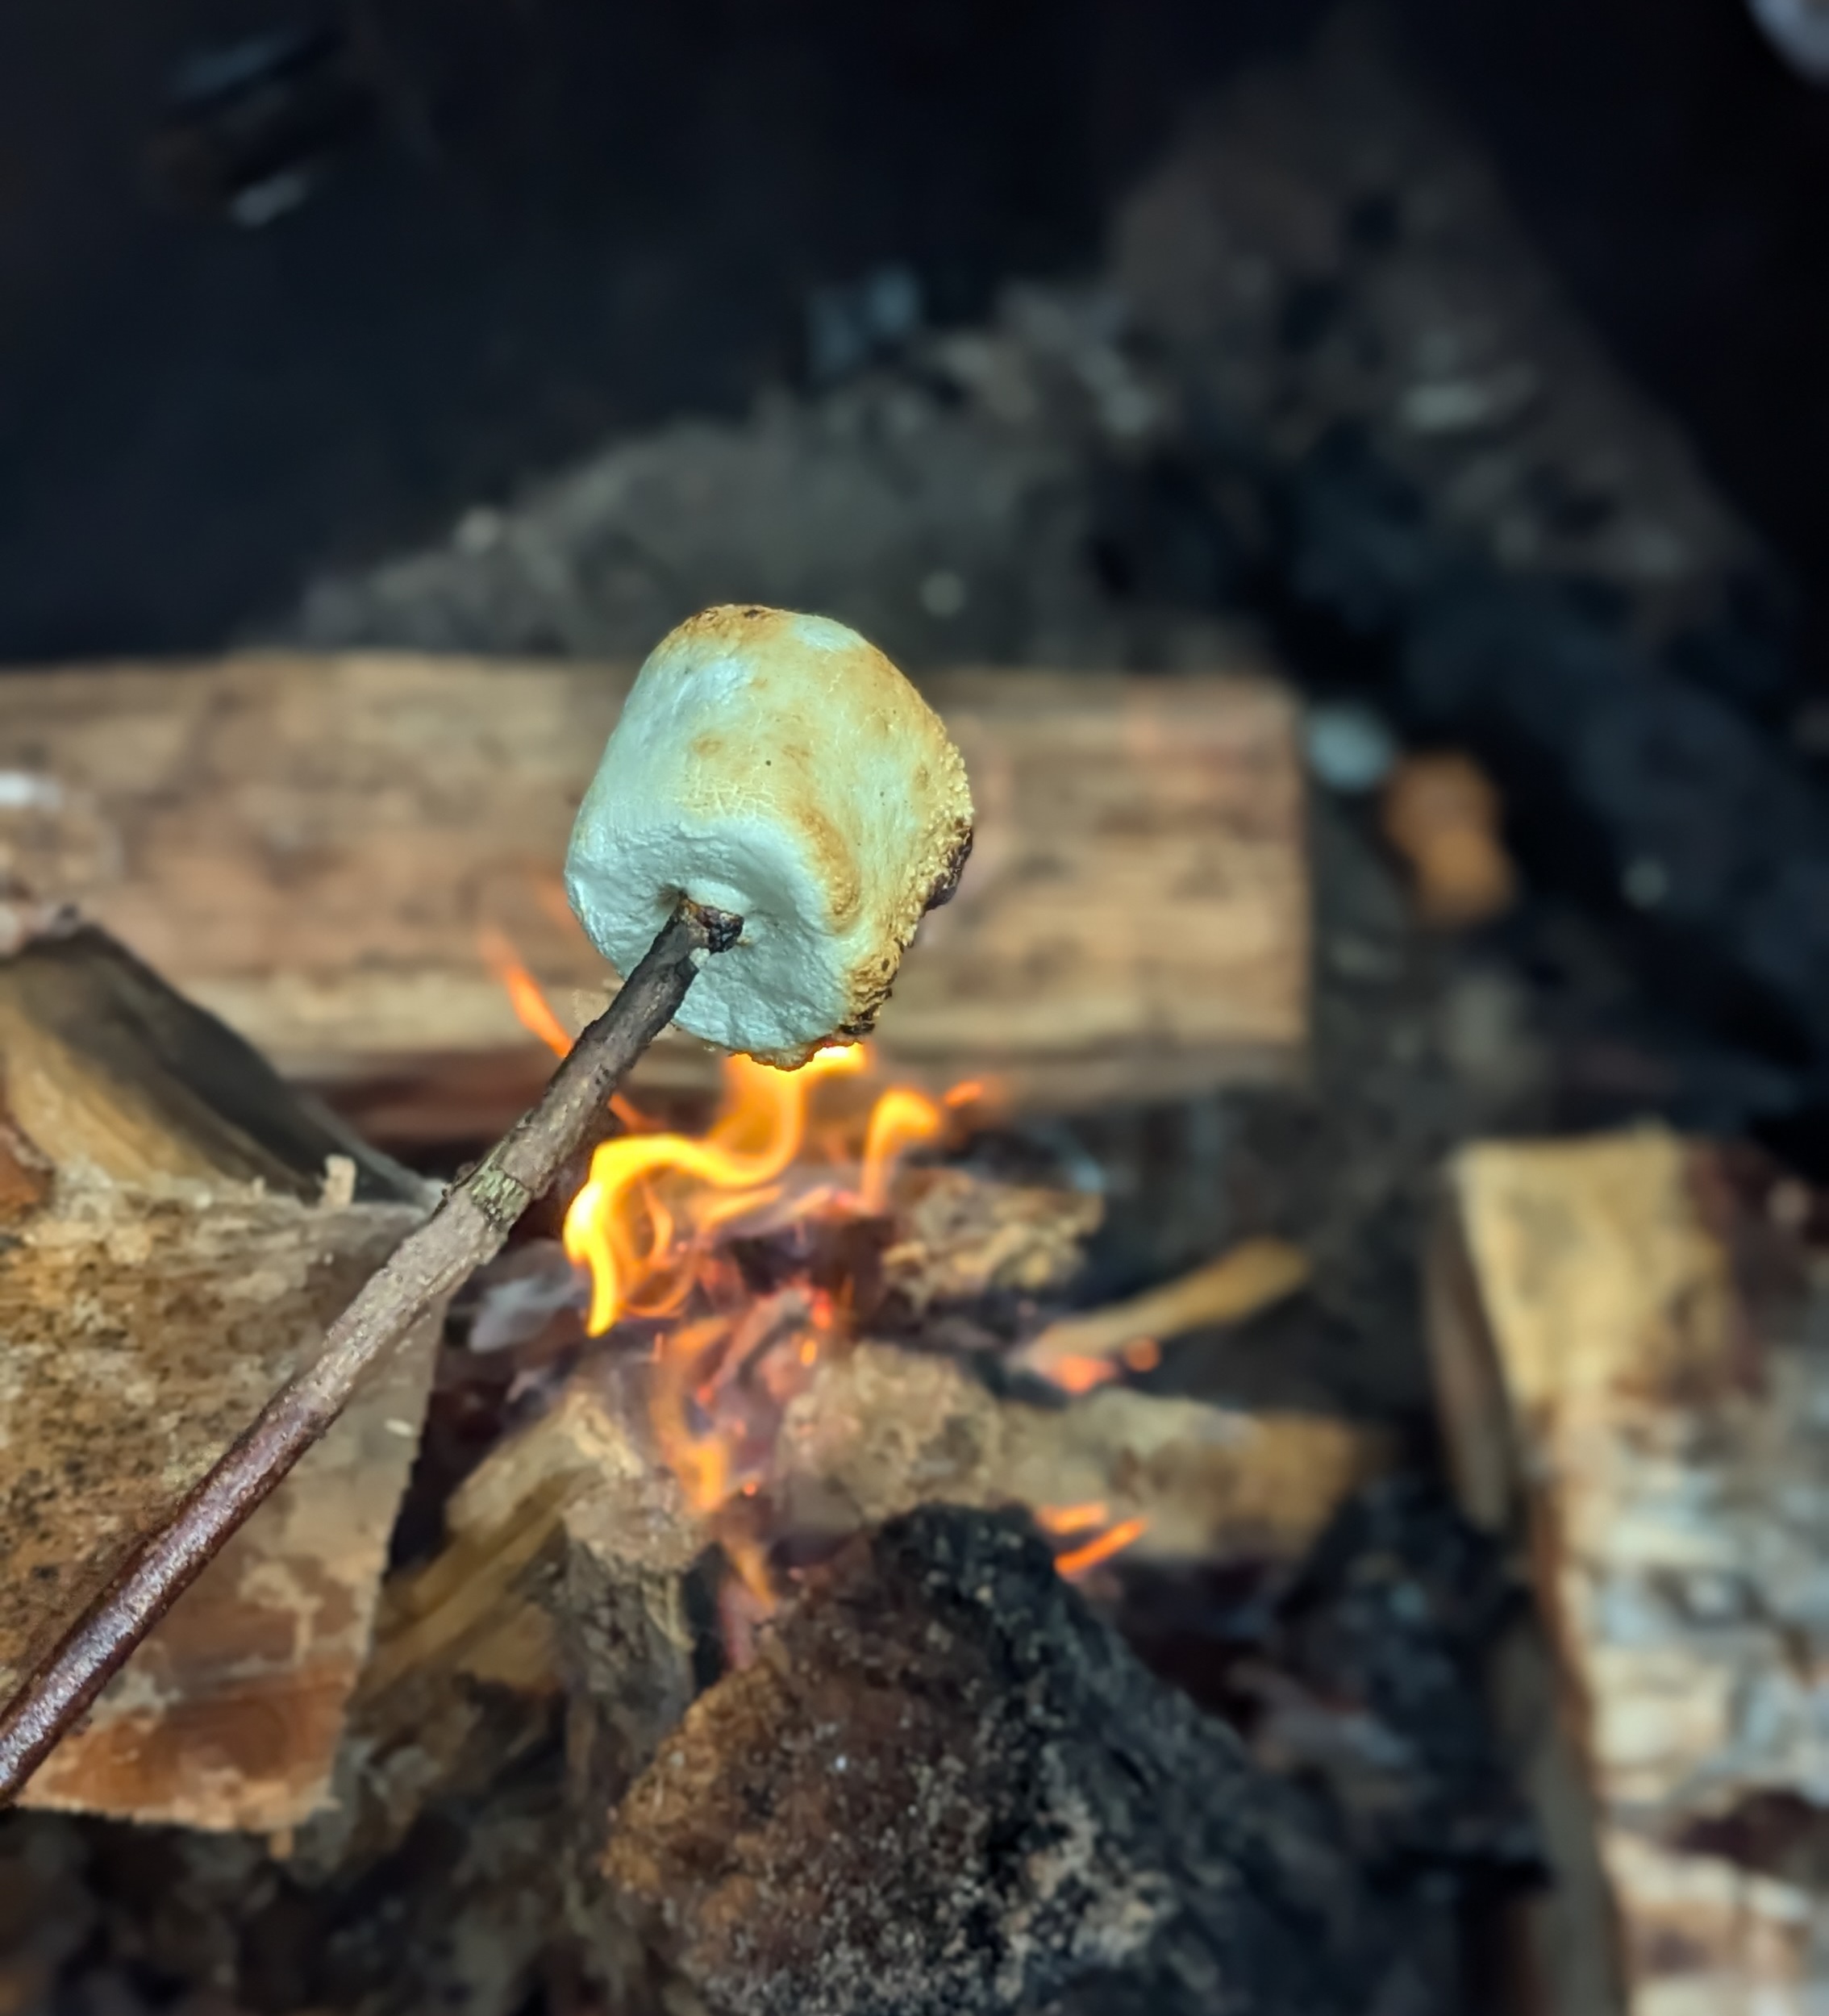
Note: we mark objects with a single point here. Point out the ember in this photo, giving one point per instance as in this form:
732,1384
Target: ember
1068,1522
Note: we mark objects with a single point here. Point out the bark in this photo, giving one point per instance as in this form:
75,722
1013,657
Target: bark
944,1787
1633,1357
403,1299
185,1235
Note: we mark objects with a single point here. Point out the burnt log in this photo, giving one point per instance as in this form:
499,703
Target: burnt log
944,1786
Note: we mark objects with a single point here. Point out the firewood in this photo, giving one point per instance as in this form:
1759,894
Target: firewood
883,1430
564,1568
1628,1341
405,1296
104,1065
1253,1277
179,1252
944,1787
309,848
571,1554
567,1584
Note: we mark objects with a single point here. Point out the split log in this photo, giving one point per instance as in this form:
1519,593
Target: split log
883,1430
1630,1341
190,1229
104,1066
565,1566
310,847
570,1553
1251,1277
944,1787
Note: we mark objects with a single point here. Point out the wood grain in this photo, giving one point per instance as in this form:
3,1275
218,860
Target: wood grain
311,847
1633,1349
176,1263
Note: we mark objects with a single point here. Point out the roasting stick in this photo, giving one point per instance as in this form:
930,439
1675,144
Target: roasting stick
767,767
468,1227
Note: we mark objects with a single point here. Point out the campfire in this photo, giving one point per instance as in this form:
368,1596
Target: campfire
755,1464
655,1233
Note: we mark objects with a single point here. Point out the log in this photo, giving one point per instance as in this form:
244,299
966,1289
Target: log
310,848
103,1066
943,1786
883,1430
1251,1277
1628,1335
965,1241
191,1227
570,1517
572,1561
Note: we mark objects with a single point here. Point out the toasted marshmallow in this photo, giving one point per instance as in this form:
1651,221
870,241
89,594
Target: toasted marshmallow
779,767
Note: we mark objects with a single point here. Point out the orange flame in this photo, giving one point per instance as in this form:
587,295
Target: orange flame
646,1222
899,1119
1081,1560
533,1010
633,1245
642,1224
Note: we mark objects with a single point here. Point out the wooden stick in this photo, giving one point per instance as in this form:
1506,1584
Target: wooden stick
1250,1277
468,1227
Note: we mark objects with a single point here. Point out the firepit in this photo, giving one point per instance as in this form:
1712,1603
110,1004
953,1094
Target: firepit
1212,1460
753,1346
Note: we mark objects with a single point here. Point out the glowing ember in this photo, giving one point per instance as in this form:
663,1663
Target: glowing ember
1081,1560
1076,1374
1065,1521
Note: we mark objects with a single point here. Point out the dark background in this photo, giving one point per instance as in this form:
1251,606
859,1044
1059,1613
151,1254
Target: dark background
545,220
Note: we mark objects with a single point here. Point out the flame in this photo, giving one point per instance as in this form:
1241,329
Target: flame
1081,1560
650,1196
1064,1521
899,1119
533,1010
644,1225
650,1225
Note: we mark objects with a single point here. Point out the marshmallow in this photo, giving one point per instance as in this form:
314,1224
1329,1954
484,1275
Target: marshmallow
779,767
